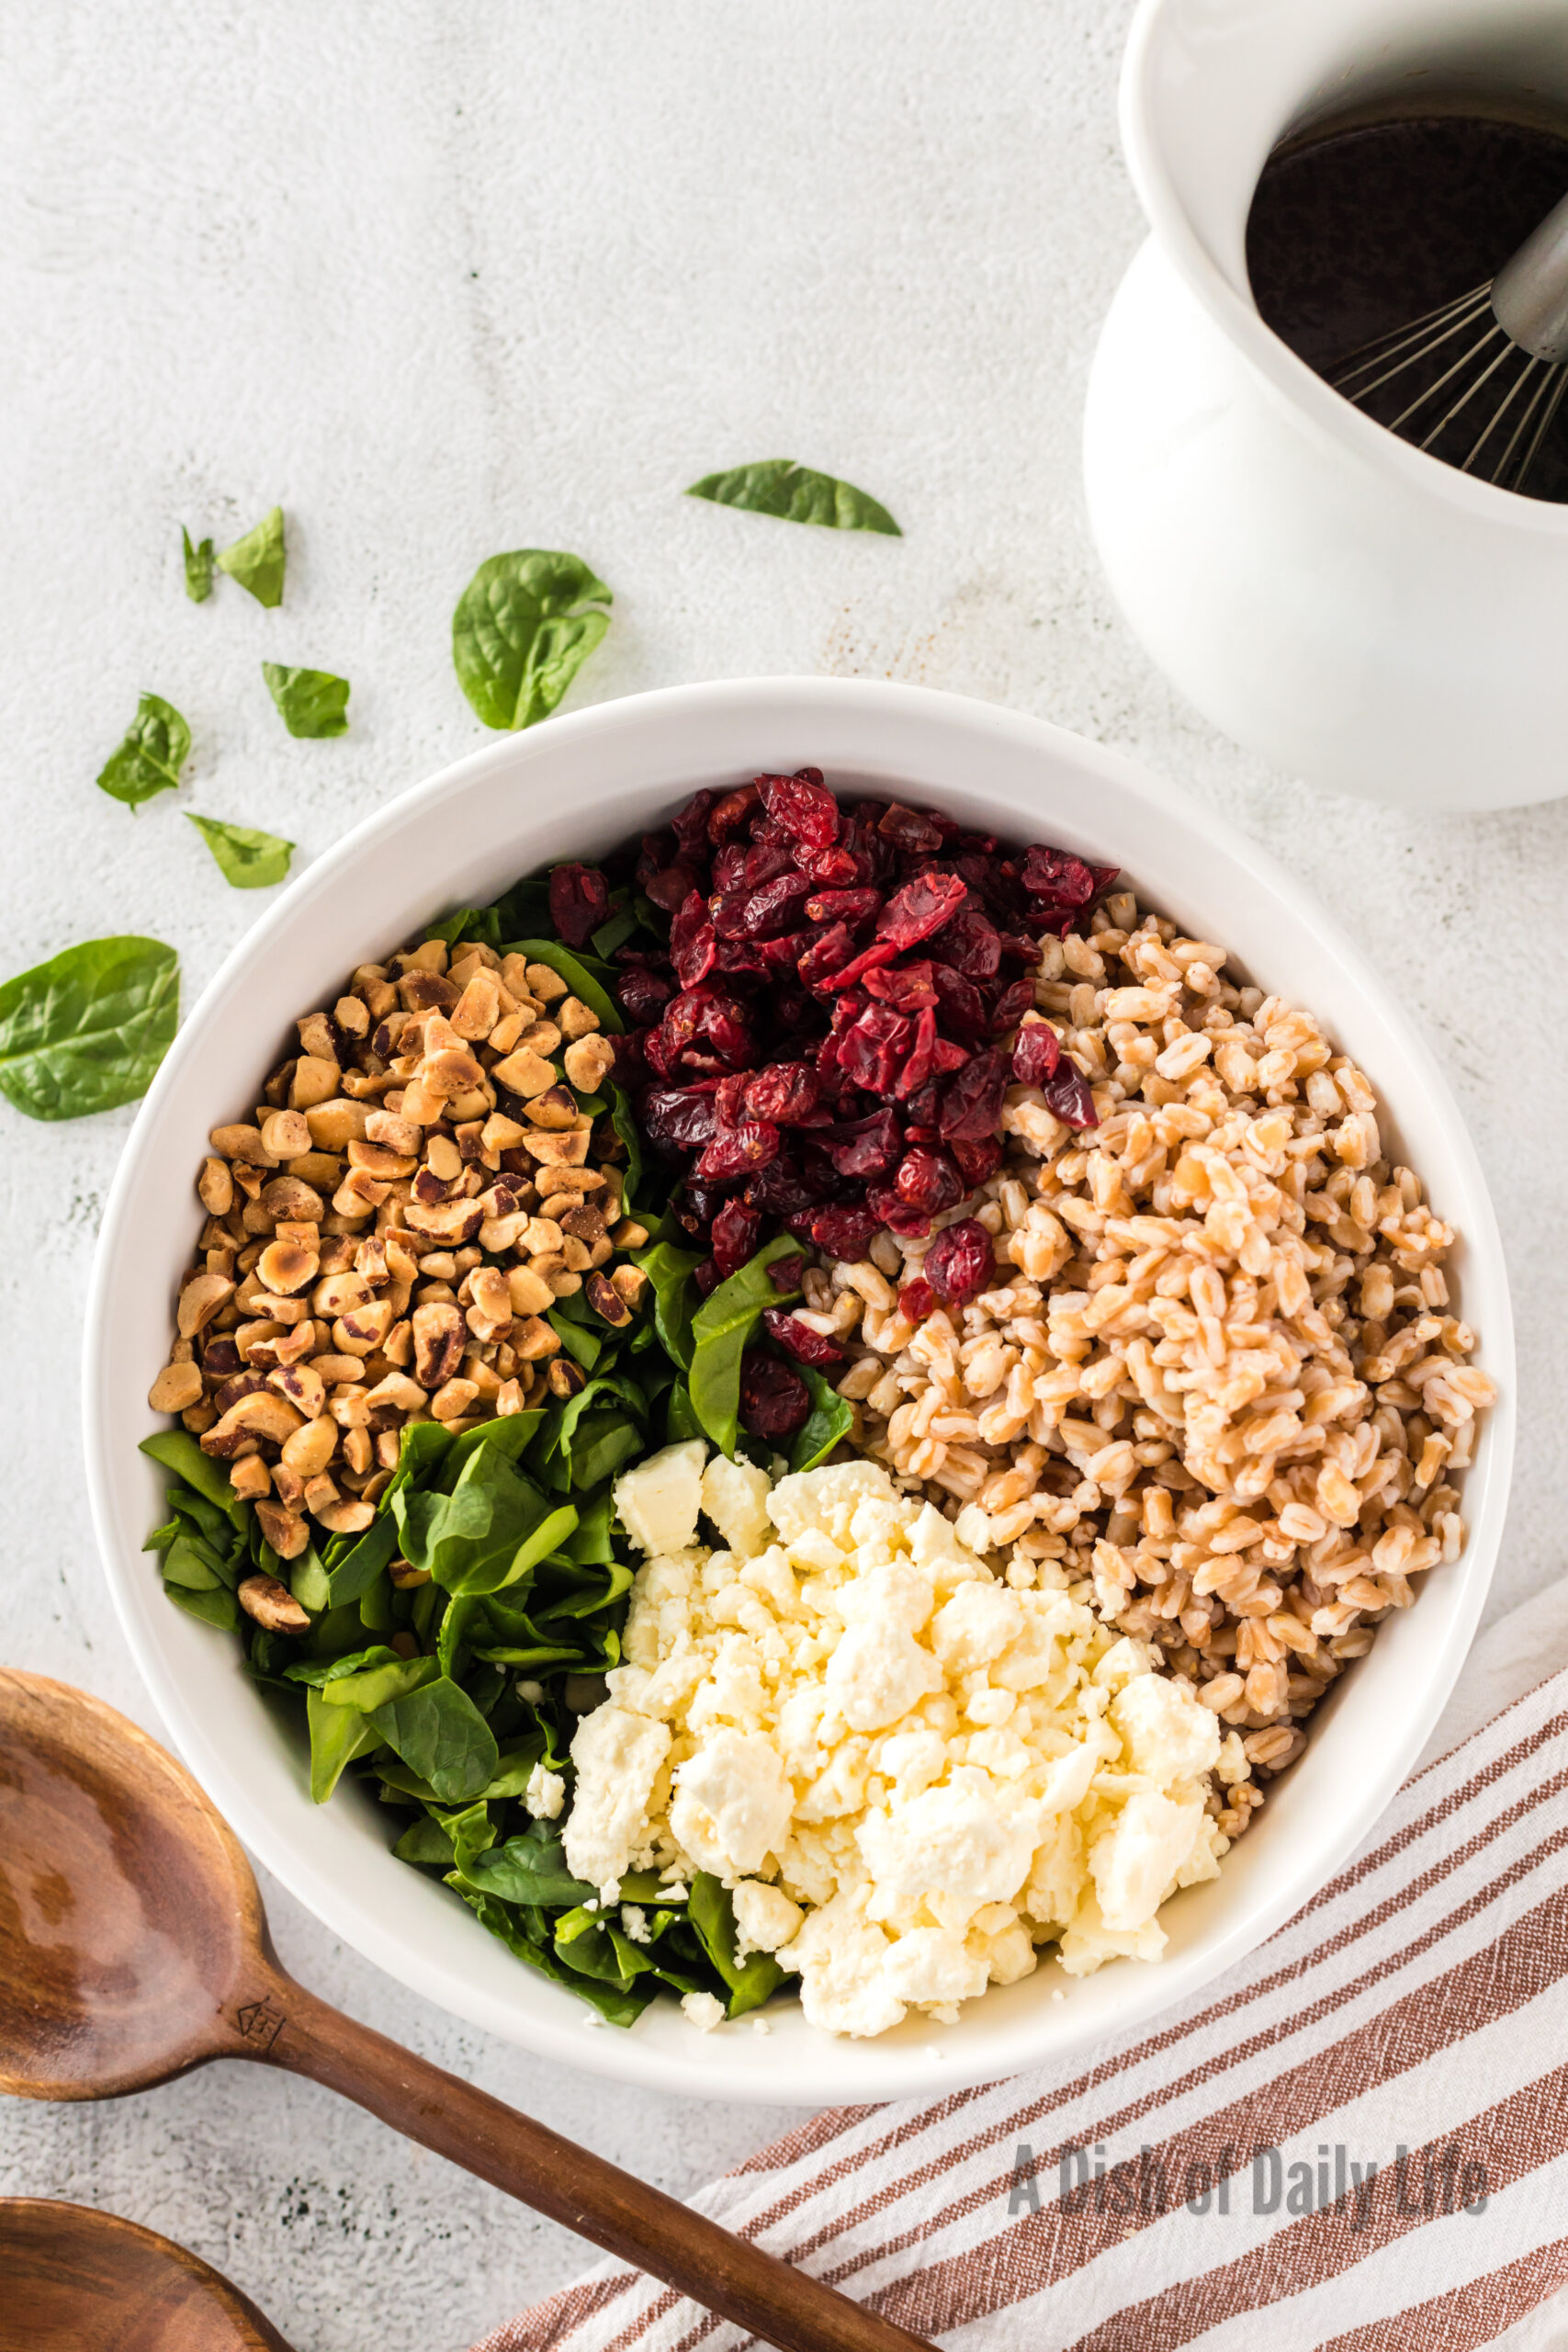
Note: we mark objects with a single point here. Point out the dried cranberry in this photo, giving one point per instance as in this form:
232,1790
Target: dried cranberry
726,816
799,1340
826,957
928,1180
920,908
962,1006
1056,877
656,851
1066,1094
785,1092
643,995
916,835
1036,1051
737,1232
729,1098
920,1061
839,868
707,1276
873,1048
844,1232
760,914
784,1274
705,1016
580,903
803,806
843,906
692,941
700,1204
775,1400
889,1207
765,860
671,886
691,827
867,1146
959,1264
677,1117
977,1158
781,1189
920,1109
971,945
908,988
917,1300
736,1151
1012,1003
972,1098
870,959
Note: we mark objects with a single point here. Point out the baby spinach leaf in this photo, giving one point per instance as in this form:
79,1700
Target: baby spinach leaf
575,1338
219,1608
441,1734
379,1685
256,561
426,1842
797,494
622,1118
530,1867
675,1300
525,624
177,1451
318,1672
87,1030
831,1420
311,702
249,860
603,1442
681,1421
474,1540
720,1329
579,979
198,569
337,1735
147,758
712,1914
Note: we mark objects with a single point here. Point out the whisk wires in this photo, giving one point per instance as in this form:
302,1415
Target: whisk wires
1527,395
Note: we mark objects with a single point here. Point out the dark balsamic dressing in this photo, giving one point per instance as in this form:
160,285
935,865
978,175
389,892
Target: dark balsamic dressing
1355,230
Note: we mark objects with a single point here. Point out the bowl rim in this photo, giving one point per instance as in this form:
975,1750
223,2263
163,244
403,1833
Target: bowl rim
836,2071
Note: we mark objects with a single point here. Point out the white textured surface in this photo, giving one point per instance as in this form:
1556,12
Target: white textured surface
448,279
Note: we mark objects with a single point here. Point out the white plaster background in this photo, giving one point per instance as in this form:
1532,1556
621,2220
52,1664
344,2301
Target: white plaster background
447,278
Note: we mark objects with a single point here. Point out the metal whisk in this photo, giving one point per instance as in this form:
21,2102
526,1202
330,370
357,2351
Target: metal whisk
1500,354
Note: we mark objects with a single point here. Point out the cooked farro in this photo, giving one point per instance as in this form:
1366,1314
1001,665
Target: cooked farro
1219,1380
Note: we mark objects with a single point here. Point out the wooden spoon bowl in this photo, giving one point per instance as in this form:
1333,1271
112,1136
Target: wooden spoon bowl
76,2280
134,1947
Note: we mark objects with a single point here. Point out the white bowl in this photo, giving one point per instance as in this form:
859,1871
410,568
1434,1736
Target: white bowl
580,784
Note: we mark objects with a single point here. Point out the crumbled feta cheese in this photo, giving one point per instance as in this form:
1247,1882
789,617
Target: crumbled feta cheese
545,1793
935,1769
735,1497
617,1758
705,2010
658,1502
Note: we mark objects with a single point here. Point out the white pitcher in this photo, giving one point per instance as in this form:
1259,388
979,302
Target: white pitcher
1330,596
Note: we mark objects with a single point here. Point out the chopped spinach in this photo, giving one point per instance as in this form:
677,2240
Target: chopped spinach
525,624
250,861
796,494
831,1419
149,756
311,702
86,1030
722,1326
257,561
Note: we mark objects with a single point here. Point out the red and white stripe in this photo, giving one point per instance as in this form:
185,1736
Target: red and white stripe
1420,1999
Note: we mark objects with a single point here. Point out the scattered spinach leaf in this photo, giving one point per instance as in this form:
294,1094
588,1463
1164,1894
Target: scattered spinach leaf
86,1030
198,569
831,1420
250,861
720,1329
525,624
257,561
149,756
796,494
311,702
441,1734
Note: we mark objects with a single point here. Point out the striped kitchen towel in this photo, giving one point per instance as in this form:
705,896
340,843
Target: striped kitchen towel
1358,2139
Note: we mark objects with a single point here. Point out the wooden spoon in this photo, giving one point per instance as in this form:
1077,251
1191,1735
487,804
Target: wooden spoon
134,1947
77,2280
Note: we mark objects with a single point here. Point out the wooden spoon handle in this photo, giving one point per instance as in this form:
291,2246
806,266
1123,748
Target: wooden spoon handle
696,2257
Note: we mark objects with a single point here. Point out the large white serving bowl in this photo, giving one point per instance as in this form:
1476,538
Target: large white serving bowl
578,785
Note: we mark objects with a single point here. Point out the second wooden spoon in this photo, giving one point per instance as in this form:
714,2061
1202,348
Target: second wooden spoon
134,1947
